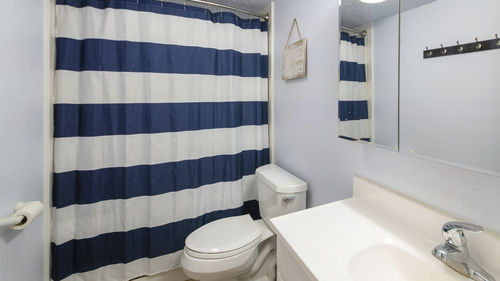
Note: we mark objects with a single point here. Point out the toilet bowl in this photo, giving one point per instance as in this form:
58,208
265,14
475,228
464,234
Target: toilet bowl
239,248
225,248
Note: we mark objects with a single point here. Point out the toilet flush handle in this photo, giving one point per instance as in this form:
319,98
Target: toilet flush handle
289,198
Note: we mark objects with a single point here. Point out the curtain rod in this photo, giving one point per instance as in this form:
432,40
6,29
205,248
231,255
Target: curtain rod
226,7
361,33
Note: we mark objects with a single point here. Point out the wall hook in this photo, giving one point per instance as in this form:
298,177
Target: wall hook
478,45
429,53
443,50
460,48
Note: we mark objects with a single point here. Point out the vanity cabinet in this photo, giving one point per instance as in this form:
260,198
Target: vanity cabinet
290,268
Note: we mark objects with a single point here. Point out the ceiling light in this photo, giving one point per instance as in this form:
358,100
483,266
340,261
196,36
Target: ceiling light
372,1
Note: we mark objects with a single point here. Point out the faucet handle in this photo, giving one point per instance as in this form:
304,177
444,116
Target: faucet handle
454,235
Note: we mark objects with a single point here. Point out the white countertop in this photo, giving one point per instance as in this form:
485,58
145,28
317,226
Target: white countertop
377,235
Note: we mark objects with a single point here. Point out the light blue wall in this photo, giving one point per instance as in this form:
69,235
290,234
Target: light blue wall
21,141
306,138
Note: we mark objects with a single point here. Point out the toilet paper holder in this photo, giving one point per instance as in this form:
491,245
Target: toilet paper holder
24,214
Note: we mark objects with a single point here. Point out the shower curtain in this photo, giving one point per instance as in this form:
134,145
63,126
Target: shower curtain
161,118
353,122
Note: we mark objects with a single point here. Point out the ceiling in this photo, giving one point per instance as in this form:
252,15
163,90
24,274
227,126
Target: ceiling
354,13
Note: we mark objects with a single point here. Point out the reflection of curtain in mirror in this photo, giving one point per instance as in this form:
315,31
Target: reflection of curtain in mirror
353,121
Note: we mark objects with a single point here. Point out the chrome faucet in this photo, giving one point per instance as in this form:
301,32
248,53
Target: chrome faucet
455,254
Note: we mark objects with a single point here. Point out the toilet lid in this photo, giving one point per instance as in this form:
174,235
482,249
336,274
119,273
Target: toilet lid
226,235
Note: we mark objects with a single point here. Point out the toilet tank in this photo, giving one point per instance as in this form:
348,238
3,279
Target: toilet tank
279,192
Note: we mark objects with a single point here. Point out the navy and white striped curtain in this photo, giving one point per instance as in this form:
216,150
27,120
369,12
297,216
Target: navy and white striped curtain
161,118
353,123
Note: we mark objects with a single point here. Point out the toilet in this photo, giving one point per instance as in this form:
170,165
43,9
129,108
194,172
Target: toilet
239,248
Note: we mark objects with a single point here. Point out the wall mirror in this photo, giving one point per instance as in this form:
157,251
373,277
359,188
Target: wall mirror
419,81
368,87
450,100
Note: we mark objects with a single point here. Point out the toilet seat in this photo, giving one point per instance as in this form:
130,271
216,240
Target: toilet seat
223,238
222,255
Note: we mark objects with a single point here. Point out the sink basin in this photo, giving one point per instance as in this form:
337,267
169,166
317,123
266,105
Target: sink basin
397,265
378,235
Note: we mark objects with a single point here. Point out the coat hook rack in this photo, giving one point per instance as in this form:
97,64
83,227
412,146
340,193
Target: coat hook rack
477,46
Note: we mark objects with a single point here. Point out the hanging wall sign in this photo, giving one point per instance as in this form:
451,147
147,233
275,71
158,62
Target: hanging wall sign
295,56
